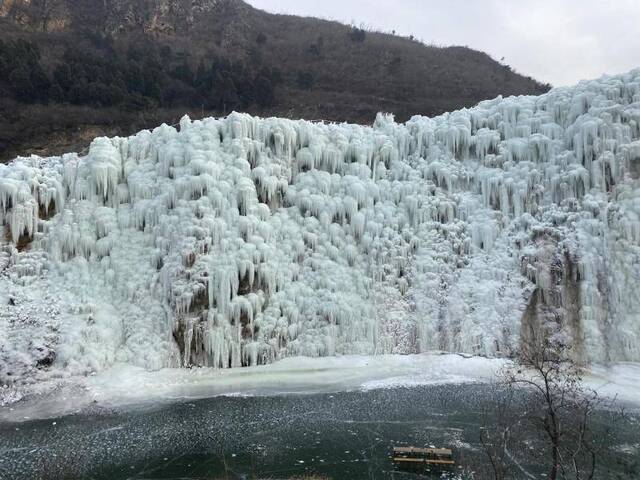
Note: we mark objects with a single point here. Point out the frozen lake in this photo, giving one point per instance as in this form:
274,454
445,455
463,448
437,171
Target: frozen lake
340,435
334,417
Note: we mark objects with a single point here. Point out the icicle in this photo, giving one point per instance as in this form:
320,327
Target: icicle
240,240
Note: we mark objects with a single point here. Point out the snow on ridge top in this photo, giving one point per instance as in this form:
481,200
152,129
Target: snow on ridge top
241,240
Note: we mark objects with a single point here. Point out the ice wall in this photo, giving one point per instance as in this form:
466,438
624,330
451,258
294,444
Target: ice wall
237,241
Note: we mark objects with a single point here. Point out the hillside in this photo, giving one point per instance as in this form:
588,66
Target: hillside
71,70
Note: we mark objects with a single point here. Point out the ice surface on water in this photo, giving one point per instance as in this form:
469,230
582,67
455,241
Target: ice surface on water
239,241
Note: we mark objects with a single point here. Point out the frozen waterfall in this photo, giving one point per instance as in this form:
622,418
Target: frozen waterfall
238,241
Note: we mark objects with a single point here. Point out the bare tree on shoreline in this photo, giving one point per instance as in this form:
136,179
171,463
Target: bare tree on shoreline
557,406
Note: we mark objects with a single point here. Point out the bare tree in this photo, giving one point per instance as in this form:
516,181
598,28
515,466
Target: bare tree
557,406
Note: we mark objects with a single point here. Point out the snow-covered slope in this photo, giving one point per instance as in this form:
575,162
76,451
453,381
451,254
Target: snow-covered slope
237,241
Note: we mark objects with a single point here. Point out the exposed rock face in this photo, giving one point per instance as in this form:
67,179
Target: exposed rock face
110,16
556,300
157,17
39,15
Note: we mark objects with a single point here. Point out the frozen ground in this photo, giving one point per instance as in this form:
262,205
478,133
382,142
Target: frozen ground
124,387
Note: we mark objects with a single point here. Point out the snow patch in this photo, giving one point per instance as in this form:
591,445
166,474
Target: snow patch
128,387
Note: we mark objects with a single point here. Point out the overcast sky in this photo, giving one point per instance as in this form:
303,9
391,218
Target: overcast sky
555,41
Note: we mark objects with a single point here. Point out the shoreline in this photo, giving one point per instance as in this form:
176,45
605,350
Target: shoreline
124,388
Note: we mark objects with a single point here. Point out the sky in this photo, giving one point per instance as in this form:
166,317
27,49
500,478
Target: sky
555,41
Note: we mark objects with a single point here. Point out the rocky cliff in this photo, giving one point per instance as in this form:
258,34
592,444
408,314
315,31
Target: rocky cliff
112,16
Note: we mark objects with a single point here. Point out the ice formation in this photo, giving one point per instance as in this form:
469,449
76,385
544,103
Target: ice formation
237,241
